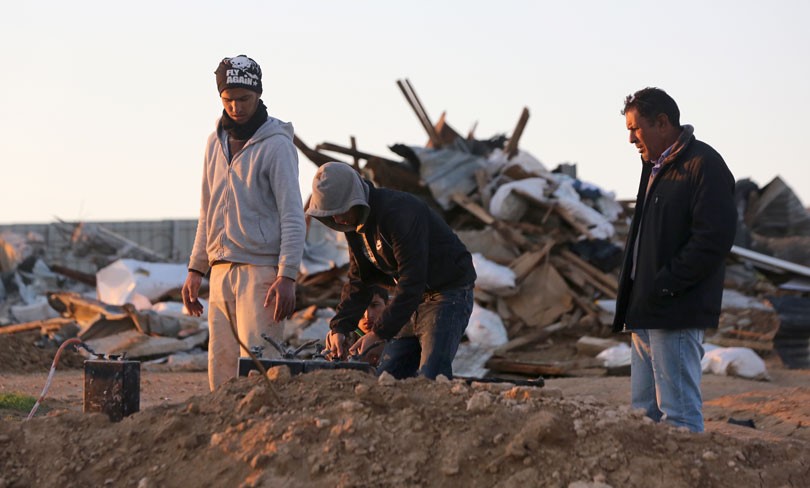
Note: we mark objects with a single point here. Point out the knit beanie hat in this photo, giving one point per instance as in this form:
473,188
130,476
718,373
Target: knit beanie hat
239,72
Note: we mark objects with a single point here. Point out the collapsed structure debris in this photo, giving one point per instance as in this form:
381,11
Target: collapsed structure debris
547,247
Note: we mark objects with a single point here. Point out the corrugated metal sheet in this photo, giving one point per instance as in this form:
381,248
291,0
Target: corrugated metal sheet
172,239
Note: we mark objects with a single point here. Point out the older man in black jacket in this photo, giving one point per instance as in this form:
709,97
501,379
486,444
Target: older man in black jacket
396,240
671,282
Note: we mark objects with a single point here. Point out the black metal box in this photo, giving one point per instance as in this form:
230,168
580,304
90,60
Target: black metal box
112,387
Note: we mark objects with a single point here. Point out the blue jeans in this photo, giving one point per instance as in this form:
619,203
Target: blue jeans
439,324
665,375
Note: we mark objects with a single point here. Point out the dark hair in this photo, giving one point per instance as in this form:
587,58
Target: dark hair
377,290
649,102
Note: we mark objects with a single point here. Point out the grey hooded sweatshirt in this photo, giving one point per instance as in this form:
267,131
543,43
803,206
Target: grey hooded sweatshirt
251,209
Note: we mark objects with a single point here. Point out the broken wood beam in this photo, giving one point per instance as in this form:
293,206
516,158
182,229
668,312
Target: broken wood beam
591,309
397,176
509,232
551,368
471,133
81,277
318,158
606,279
476,210
580,276
446,134
481,180
45,325
526,262
531,337
419,110
512,145
434,137
356,160
329,146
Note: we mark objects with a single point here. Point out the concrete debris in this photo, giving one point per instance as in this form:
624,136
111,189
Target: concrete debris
547,247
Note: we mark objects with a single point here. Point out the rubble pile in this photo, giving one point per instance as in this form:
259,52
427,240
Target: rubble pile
546,246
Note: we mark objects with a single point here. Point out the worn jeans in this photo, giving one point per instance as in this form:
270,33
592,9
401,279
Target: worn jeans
665,375
439,324
236,298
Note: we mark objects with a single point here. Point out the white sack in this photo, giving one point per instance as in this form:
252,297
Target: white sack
734,361
505,205
492,276
615,356
568,198
485,328
117,282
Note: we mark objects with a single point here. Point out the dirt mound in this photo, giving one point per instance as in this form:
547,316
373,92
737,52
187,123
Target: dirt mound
343,428
18,354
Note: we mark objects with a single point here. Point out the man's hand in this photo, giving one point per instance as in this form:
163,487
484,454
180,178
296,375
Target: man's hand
336,344
365,343
190,291
282,292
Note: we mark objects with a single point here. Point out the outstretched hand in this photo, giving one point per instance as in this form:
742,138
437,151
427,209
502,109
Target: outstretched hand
282,294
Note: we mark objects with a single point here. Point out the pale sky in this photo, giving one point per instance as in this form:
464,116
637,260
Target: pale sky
105,106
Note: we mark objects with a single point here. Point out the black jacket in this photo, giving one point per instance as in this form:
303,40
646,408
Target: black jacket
415,251
687,224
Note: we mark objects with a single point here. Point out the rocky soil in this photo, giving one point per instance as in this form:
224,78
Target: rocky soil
349,429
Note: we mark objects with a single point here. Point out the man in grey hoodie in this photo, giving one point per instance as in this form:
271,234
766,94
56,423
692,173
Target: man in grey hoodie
250,233
396,240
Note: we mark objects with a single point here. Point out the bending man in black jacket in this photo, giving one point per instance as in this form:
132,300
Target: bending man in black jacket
671,282
396,240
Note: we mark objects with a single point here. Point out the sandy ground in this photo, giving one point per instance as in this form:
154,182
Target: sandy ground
352,429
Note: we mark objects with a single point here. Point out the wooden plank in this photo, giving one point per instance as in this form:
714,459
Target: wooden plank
419,110
446,134
318,158
330,146
551,368
355,158
563,213
512,146
527,261
532,337
606,279
471,133
510,233
580,277
81,277
514,235
434,137
49,324
473,208
545,297
570,220
396,176
588,307
481,179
